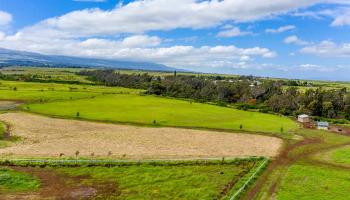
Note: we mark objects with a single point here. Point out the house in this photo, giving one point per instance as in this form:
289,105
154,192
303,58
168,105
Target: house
322,125
304,118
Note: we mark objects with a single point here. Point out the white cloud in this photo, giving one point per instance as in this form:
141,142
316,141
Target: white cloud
142,16
343,19
294,40
281,29
141,41
2,35
139,48
314,67
5,18
328,48
233,32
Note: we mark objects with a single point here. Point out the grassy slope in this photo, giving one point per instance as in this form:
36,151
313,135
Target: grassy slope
341,155
306,181
13,181
2,130
43,73
2,134
165,182
169,112
27,91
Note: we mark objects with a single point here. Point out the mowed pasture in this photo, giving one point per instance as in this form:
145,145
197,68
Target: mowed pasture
341,155
47,74
338,156
307,181
44,137
151,110
44,92
123,105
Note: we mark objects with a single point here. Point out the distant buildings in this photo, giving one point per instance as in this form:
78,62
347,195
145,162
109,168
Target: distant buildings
322,125
304,118
307,123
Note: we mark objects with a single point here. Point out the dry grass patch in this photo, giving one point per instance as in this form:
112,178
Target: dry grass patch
49,137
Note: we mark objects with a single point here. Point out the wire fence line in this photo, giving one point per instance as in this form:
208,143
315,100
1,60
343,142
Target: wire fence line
241,189
105,161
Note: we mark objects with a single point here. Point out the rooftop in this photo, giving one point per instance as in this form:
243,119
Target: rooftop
323,124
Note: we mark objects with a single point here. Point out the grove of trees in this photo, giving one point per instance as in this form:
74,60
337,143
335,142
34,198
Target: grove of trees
245,92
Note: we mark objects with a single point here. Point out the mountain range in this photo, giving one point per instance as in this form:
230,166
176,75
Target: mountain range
23,58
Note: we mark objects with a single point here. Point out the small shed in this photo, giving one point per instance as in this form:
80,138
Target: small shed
322,125
304,118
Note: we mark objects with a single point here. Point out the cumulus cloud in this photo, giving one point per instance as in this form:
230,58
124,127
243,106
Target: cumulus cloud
5,18
328,48
314,67
142,16
280,29
139,48
233,32
342,19
294,40
101,33
141,41
126,49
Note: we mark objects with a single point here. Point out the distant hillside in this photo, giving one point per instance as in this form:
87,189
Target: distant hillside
22,58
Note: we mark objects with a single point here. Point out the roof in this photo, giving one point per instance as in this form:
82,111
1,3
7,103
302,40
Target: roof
323,124
303,116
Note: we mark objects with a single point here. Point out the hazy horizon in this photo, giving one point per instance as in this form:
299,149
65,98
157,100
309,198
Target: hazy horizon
298,39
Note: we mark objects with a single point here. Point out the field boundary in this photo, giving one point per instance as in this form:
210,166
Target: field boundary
156,162
249,181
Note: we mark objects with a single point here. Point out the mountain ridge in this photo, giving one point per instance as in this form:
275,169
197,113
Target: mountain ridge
10,57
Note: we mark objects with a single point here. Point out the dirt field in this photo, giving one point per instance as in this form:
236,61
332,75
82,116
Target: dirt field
49,137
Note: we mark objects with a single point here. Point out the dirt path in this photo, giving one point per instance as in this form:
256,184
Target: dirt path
281,164
283,160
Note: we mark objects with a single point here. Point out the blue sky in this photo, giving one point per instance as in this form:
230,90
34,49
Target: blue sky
307,39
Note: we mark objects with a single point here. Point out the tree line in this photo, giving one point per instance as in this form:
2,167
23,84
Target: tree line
244,92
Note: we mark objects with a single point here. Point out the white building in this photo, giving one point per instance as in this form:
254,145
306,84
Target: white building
322,125
304,118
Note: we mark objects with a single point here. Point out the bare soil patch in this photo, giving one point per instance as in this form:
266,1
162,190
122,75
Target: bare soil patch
63,187
8,105
340,130
50,137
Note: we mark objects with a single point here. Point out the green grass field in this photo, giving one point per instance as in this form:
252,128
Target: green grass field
155,180
28,91
341,155
13,181
167,182
304,182
115,104
2,130
47,74
132,108
2,135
